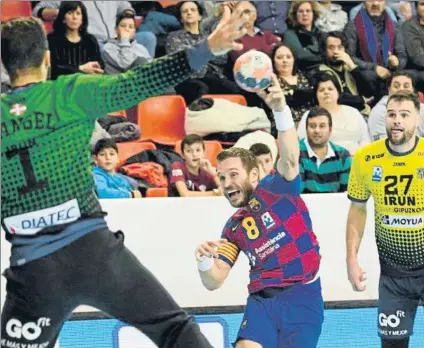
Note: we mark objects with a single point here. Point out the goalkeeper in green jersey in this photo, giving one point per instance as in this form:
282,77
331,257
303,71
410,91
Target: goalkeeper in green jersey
63,254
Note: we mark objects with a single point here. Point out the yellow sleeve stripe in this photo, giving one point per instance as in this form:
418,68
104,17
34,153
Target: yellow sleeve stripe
229,250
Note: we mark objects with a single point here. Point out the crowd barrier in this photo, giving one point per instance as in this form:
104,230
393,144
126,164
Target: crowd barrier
163,234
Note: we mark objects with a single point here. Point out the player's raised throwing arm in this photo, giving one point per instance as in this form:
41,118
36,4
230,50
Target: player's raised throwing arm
288,142
99,95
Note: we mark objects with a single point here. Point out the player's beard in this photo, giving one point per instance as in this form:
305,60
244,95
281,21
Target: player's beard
246,190
406,136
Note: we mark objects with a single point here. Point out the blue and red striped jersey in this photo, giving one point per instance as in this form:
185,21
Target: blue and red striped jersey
275,232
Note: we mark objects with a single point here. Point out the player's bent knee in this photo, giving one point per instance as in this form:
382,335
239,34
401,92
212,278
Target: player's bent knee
400,343
248,344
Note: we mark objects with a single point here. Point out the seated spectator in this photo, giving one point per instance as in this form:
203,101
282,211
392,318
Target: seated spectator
272,16
156,21
304,38
255,39
340,64
400,81
375,43
324,166
209,80
413,32
124,53
349,128
264,156
332,17
396,10
72,48
195,177
110,184
297,89
101,18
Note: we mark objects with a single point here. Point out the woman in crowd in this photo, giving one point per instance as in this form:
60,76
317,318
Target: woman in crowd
349,127
304,37
210,79
72,48
299,93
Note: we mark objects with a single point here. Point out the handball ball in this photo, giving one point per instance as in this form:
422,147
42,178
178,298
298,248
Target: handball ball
253,71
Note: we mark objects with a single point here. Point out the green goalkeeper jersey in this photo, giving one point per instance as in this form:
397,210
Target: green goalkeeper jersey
46,180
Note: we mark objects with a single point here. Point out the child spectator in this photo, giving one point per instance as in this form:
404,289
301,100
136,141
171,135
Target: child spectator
264,156
110,184
195,177
124,53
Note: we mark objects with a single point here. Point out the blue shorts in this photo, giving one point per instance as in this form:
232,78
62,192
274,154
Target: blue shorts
291,318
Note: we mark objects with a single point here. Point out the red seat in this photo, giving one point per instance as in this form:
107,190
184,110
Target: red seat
161,119
14,9
156,192
126,150
235,98
212,149
166,3
421,95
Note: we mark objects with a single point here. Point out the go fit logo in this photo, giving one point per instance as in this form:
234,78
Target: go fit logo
392,320
30,331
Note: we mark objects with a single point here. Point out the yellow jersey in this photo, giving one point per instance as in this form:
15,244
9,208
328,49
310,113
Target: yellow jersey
396,182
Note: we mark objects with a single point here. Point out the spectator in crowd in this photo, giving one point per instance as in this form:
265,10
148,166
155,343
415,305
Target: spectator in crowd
209,80
299,93
101,19
255,38
124,53
264,156
398,10
272,16
413,32
400,81
375,42
350,77
195,177
349,128
304,37
403,8
110,184
156,21
324,166
332,17
72,48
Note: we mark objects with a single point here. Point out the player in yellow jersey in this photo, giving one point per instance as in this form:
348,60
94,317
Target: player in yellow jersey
392,171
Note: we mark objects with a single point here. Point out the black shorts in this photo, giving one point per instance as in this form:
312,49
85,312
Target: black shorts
95,270
397,305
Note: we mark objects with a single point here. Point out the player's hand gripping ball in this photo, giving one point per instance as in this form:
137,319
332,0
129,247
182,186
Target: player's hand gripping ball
253,71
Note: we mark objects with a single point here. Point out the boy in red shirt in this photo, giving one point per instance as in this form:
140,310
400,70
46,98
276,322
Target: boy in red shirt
195,177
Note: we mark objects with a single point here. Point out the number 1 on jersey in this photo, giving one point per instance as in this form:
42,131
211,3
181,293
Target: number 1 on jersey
32,183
